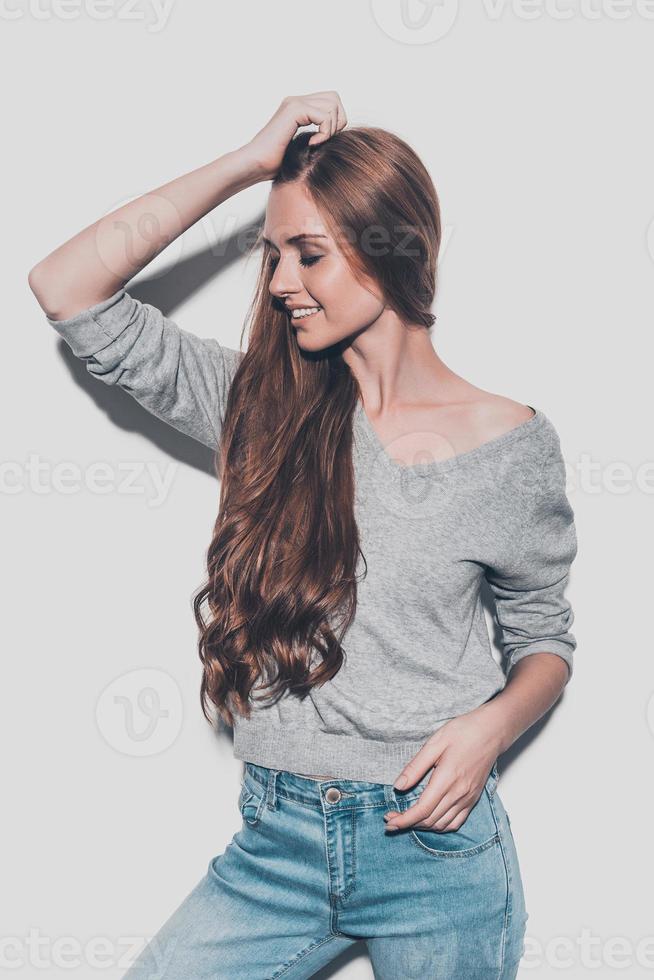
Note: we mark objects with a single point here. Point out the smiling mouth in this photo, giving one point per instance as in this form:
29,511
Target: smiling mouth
304,313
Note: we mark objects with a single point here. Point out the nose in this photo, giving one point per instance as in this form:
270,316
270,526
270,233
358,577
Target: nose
283,282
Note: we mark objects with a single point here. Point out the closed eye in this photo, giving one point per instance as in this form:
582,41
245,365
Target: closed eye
306,261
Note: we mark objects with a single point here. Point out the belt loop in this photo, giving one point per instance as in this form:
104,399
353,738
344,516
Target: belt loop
271,794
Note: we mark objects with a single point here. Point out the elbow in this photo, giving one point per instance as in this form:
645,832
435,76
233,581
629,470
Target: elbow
61,297
46,285
34,277
40,282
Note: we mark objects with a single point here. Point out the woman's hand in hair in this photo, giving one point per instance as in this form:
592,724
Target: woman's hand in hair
324,109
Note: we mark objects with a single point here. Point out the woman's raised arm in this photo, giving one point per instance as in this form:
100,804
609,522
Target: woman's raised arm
97,261
179,377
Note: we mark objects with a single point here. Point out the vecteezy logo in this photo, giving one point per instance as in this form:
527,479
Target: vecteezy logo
415,21
140,713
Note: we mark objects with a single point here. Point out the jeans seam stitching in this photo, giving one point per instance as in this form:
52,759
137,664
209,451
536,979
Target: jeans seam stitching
507,911
300,955
348,891
463,853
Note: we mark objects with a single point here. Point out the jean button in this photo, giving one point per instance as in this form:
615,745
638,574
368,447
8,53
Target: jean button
333,795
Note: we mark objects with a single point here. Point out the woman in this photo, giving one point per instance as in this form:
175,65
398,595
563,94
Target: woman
366,492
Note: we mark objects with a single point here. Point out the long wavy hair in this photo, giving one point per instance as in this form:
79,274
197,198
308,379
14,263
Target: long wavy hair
282,585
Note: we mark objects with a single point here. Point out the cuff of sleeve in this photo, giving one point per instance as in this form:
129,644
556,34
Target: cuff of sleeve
545,646
92,329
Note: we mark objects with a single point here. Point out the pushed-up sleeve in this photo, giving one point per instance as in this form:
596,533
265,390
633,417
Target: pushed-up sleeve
179,377
532,610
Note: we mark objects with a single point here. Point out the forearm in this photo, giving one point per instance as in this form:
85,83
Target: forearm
533,686
101,258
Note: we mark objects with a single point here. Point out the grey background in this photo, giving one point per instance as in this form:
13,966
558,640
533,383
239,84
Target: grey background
535,123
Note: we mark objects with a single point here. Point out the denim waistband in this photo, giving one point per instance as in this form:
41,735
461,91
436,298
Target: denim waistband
311,792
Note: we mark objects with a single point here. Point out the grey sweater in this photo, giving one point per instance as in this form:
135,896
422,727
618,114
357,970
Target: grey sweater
418,652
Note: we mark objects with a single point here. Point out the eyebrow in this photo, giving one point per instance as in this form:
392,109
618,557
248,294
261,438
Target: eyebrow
295,239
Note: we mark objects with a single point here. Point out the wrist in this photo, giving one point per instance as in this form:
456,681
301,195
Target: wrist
498,725
253,169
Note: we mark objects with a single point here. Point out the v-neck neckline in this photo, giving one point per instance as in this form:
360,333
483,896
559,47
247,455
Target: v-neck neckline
487,448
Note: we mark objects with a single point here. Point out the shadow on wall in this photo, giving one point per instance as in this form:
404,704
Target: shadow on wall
167,292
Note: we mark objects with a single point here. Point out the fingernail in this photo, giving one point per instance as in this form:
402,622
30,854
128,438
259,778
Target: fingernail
391,826
401,782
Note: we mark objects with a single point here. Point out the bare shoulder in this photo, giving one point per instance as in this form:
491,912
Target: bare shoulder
492,415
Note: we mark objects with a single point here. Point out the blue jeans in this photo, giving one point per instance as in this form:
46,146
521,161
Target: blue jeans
313,869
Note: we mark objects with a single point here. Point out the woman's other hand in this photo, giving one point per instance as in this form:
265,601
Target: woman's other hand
462,751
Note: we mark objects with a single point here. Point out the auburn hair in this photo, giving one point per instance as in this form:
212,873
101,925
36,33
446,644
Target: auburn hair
282,565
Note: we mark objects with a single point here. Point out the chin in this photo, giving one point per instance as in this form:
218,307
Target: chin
311,344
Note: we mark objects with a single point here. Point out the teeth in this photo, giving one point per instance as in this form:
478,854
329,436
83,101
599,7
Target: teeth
307,311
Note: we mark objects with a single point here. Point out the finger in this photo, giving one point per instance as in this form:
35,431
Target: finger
330,105
326,129
329,94
416,768
454,822
319,120
309,111
421,810
318,137
437,801
330,101
451,819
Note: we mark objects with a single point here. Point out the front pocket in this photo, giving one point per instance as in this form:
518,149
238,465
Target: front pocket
476,833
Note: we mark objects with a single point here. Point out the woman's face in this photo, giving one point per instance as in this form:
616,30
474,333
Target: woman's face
311,271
